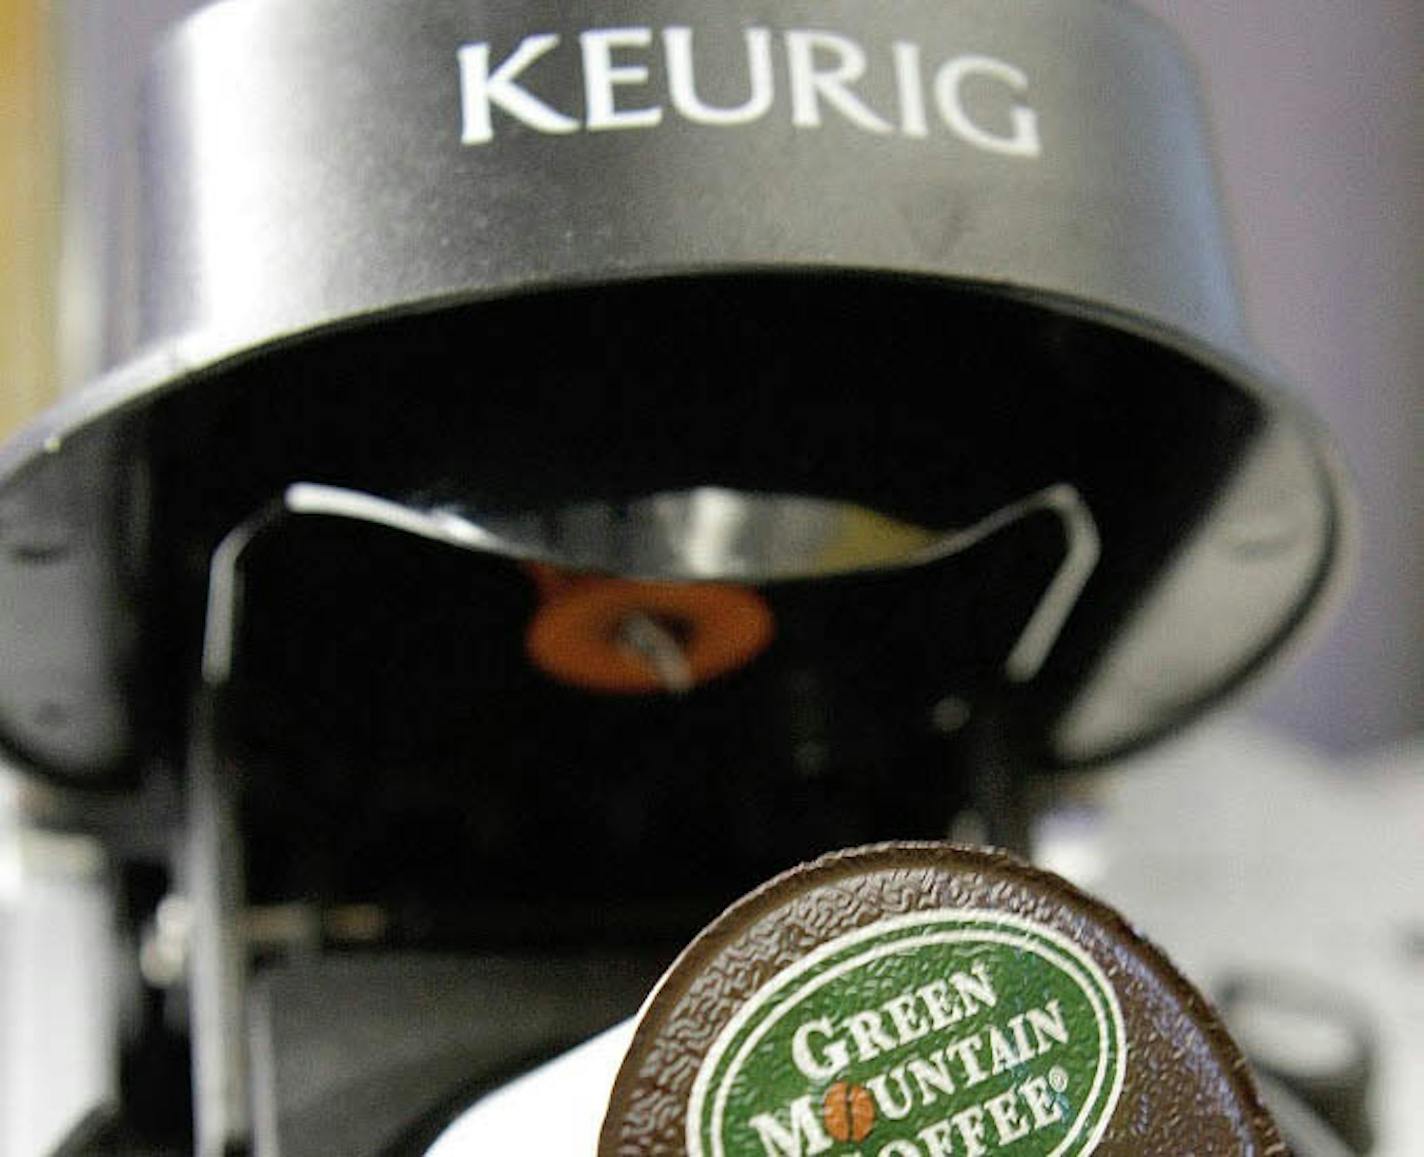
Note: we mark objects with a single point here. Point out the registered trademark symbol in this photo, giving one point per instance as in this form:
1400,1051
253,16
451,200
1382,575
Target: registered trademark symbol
1058,1079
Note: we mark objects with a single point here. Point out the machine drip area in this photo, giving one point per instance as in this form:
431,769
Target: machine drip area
915,499
913,477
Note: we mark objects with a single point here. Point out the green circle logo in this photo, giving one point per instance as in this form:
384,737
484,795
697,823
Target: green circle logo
948,1033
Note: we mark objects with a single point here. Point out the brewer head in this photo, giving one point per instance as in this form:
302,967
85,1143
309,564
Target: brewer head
919,325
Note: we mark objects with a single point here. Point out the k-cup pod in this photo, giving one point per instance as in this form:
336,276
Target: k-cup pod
926,1000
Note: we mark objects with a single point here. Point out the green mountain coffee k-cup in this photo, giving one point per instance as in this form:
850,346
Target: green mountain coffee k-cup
921,1000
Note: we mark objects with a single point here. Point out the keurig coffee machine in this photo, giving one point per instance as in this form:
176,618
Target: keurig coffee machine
573,462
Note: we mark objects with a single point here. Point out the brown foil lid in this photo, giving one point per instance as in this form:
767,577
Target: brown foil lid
923,1000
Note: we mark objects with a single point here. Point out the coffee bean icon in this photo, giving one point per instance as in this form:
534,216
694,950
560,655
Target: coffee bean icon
848,1111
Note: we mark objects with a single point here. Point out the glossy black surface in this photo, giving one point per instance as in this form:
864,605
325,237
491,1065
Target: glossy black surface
395,734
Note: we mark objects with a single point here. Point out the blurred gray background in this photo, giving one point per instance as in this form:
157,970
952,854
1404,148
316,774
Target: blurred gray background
1319,113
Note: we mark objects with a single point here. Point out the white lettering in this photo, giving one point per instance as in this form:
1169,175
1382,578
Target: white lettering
1001,1052
1048,1024
933,1072
601,76
1004,1111
905,1018
967,1051
938,1140
481,89
975,987
811,85
1041,1102
835,1057
869,1035
824,71
804,1138
1021,1041
1023,141
942,1009
683,85
908,81
970,1124
880,1088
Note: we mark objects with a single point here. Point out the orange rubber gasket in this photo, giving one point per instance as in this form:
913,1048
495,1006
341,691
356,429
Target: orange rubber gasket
573,637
